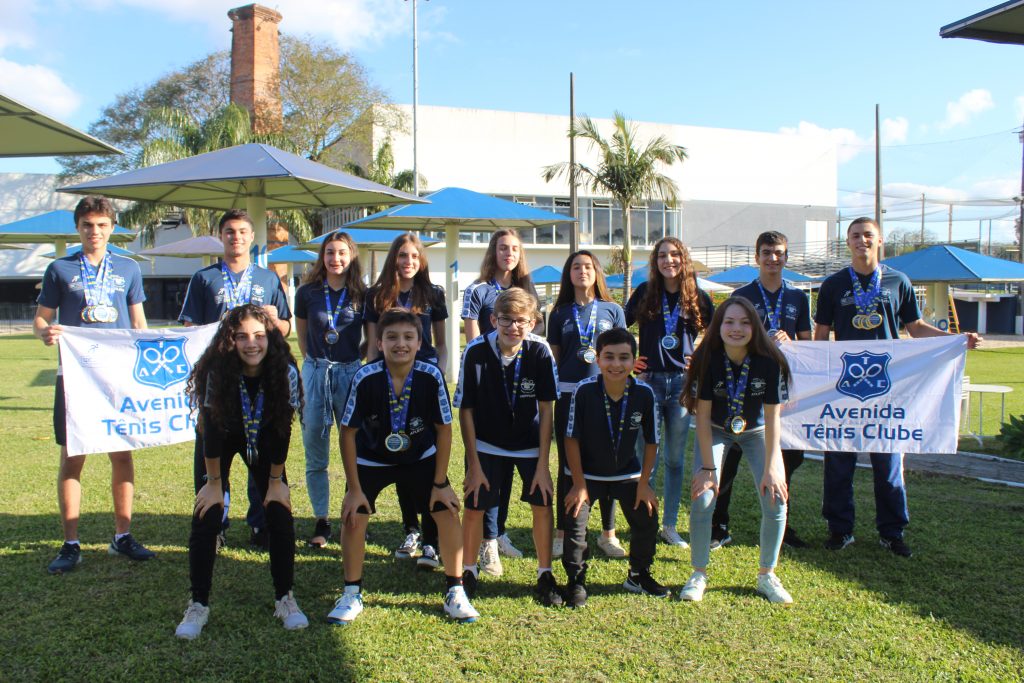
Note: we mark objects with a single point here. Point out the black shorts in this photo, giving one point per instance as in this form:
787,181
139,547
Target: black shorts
60,415
499,470
418,478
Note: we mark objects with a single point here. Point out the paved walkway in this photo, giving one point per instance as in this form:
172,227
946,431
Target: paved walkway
980,466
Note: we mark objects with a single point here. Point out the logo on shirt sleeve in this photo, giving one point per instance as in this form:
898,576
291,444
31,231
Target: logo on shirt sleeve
635,420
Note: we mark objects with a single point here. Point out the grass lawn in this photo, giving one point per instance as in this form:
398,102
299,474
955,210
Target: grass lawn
1003,366
955,611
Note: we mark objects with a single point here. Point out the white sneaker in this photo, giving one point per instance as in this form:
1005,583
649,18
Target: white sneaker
346,608
192,624
556,547
409,546
770,587
672,537
610,546
287,610
428,559
490,562
458,607
506,548
693,589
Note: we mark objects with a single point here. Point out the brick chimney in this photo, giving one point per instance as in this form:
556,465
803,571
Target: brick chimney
255,65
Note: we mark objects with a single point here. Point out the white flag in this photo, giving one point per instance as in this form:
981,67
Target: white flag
125,389
888,396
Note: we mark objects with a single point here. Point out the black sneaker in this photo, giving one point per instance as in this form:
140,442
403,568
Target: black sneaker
792,540
546,591
575,596
126,546
321,530
838,541
258,539
896,546
469,583
68,557
643,582
720,536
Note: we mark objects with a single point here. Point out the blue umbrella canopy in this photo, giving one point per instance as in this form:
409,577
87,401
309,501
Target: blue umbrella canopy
226,178
25,132
52,226
741,275
546,275
290,254
113,249
943,263
366,237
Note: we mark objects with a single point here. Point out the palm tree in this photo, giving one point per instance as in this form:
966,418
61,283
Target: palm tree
382,170
173,135
624,171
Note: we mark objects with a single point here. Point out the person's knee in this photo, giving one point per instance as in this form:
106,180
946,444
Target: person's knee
210,521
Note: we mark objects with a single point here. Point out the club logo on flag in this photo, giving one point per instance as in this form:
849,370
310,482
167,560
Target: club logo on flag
865,375
161,362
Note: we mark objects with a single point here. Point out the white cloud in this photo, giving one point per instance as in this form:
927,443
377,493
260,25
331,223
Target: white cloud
894,131
18,28
961,111
848,143
39,87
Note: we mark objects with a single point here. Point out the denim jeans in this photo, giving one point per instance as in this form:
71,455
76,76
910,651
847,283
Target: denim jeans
773,512
325,385
675,421
891,512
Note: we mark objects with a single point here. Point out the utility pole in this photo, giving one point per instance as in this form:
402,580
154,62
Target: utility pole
415,100
949,239
878,173
574,208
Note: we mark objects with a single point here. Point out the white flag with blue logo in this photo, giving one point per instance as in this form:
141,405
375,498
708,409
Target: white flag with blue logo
883,396
125,389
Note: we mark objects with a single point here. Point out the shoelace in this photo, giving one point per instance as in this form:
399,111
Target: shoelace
194,612
289,606
411,541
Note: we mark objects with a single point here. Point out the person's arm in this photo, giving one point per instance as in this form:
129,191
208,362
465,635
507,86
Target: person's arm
919,329
440,344
707,478
277,490
212,493
284,326
542,478
370,332
137,316
773,479
577,495
300,332
821,332
355,501
644,492
555,352
438,493
472,328
475,477
804,336
43,326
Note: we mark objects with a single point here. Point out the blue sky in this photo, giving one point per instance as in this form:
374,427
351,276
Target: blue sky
810,68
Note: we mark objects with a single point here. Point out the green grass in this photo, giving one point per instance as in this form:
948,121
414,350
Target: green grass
1003,366
955,611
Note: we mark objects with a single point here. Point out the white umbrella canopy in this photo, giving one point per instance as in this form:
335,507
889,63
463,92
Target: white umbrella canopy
25,132
204,246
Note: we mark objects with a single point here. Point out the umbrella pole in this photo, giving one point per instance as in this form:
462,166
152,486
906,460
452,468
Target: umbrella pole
291,288
451,288
60,248
256,207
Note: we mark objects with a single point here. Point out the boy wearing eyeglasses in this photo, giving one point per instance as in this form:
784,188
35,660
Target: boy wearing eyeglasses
507,387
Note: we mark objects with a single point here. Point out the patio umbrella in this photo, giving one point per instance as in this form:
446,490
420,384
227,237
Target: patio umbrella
255,177
640,275
453,209
205,246
289,255
53,226
369,240
741,275
25,132
112,248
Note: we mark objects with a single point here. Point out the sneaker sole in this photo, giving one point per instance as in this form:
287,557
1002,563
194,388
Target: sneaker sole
639,590
114,551
773,602
186,636
339,622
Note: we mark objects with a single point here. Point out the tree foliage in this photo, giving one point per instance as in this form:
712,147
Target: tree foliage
626,171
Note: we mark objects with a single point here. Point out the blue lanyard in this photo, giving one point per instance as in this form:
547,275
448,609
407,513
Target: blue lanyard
243,294
399,405
671,318
737,388
512,393
332,317
586,336
96,282
866,301
774,312
494,283
252,417
617,436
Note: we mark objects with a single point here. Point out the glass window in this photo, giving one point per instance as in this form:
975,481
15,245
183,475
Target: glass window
655,224
639,225
617,226
601,222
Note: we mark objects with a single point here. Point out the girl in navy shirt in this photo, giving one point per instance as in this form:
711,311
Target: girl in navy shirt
736,384
583,310
329,326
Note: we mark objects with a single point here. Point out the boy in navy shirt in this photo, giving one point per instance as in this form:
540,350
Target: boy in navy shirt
397,428
608,414
97,289
509,428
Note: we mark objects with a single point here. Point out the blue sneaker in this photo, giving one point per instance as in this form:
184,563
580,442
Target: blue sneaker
127,546
68,557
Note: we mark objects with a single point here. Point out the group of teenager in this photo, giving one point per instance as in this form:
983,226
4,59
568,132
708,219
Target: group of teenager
617,407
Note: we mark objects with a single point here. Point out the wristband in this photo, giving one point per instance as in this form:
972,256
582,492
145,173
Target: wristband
708,469
443,484
209,478
278,478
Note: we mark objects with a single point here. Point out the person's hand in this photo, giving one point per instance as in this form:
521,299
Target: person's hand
781,336
704,480
446,496
645,495
475,478
576,499
278,492
773,484
271,311
686,363
974,340
354,501
50,334
542,483
209,495
640,365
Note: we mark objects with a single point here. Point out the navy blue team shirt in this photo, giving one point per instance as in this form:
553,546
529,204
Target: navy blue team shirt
478,303
309,306
836,306
764,386
204,299
562,332
796,312
64,291
651,331
437,309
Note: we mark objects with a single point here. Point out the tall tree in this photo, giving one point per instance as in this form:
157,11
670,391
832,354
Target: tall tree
626,171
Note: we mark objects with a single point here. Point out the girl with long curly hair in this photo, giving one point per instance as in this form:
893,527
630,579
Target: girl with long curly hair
247,390
670,311
737,382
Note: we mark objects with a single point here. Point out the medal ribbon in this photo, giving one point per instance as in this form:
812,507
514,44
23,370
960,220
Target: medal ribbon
671,318
866,301
96,282
243,294
512,393
399,405
774,312
332,317
586,336
252,417
617,436
737,388
494,283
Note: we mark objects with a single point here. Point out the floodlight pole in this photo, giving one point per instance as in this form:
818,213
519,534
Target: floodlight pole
415,99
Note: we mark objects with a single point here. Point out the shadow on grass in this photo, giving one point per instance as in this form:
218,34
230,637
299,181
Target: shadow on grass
44,378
